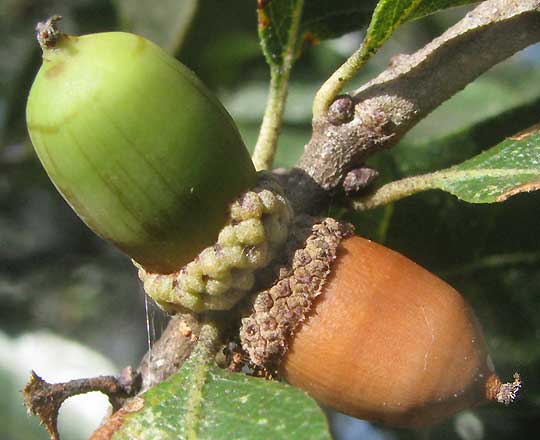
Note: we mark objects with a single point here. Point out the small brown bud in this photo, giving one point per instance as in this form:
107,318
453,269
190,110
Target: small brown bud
341,110
359,179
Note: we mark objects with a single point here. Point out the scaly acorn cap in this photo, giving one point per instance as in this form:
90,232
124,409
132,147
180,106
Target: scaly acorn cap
140,149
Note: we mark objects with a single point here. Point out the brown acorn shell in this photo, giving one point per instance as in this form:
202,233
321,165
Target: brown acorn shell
389,341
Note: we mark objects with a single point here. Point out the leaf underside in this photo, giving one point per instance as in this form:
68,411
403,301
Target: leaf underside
390,14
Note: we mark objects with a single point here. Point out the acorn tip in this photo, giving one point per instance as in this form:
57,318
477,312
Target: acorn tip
505,393
47,32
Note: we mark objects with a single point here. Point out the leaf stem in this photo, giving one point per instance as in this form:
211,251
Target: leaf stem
201,360
375,37
266,146
393,191
400,189
208,339
335,83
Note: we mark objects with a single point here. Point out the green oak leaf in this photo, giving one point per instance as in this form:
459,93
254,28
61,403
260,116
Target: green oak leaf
324,19
277,24
510,168
390,14
210,403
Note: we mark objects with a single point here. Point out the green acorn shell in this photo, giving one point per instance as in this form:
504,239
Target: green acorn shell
140,149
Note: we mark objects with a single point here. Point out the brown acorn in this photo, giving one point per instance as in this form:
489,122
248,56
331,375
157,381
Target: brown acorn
389,341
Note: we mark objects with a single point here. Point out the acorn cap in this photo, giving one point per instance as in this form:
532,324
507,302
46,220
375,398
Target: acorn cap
140,149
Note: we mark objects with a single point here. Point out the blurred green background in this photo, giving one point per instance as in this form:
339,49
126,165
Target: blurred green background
71,306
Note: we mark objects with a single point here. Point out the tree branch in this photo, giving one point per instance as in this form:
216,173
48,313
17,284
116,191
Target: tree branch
170,351
390,105
166,357
44,399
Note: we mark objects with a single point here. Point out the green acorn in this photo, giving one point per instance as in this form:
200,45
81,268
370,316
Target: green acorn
140,149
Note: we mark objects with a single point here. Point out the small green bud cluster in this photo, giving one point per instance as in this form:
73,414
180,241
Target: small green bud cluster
223,273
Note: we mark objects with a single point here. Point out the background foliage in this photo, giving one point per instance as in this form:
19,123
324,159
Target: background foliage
63,289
